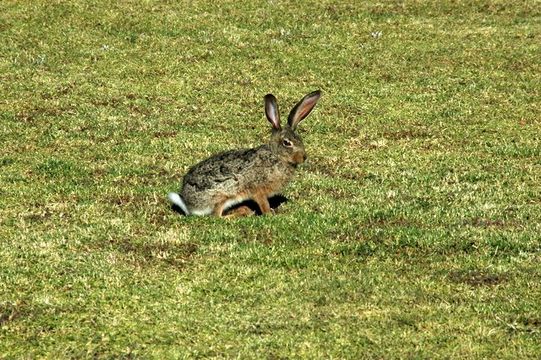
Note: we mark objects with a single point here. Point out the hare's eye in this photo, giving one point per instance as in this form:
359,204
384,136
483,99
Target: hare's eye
287,143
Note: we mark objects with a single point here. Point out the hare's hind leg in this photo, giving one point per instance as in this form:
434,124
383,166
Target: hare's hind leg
263,203
221,203
239,211
218,209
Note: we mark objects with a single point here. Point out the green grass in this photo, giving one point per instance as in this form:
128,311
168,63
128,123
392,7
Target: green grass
413,231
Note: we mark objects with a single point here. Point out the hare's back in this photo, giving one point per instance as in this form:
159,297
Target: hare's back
223,169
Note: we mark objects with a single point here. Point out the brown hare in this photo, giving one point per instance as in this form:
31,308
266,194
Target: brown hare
235,176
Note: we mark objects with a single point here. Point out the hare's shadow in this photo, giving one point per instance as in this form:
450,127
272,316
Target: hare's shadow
274,202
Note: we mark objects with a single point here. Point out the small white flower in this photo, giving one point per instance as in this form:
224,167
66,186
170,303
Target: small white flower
40,60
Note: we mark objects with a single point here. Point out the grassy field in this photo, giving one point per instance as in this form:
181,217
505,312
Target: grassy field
413,231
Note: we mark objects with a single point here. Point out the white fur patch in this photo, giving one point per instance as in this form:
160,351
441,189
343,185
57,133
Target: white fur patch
201,212
177,200
232,202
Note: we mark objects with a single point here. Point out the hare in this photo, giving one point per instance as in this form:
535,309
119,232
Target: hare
235,176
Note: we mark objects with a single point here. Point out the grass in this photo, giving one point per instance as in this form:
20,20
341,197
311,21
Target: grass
411,232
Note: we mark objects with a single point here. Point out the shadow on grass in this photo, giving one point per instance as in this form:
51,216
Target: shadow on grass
11,311
151,254
477,278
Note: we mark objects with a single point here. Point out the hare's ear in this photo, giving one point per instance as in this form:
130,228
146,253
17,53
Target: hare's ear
303,108
271,111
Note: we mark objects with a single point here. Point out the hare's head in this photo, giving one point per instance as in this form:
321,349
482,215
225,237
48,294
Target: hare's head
285,142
